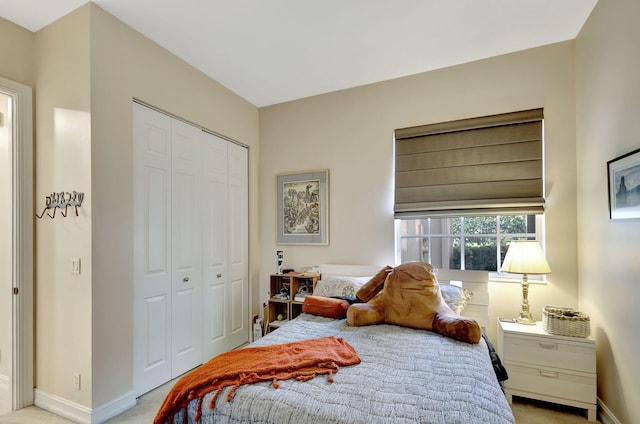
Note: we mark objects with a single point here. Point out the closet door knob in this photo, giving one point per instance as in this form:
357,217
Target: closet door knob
219,275
185,280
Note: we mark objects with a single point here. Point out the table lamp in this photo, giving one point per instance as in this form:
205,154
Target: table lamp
525,257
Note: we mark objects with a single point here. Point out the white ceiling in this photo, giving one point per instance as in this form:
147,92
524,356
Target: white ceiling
271,51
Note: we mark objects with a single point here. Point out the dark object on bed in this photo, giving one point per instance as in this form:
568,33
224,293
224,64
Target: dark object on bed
349,299
500,370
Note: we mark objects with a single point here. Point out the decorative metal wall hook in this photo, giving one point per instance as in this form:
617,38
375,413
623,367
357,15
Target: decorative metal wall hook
76,200
60,200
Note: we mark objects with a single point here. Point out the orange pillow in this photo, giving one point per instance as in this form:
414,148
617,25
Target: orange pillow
325,306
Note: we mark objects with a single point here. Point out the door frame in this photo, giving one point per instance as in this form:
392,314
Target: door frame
21,145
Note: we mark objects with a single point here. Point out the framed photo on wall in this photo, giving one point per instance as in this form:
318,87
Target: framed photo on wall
624,186
303,208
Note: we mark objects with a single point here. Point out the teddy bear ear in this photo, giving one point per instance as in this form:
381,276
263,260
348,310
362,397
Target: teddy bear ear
374,285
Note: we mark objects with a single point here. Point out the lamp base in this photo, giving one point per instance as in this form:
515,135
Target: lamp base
526,318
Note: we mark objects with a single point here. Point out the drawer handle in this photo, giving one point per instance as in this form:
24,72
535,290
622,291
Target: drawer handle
549,374
548,345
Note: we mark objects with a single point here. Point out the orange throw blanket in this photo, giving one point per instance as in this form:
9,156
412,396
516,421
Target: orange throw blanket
302,360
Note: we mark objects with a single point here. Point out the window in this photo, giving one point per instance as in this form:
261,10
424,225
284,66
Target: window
464,189
463,242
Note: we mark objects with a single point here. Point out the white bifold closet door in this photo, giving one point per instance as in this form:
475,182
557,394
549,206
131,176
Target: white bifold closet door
190,247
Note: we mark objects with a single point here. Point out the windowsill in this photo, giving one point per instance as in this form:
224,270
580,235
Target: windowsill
494,277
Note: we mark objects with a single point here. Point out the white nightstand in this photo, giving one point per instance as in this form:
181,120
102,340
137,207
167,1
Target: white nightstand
547,367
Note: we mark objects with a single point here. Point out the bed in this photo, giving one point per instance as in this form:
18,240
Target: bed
405,376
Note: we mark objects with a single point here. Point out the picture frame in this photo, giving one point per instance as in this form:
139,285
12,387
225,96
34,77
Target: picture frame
303,207
623,175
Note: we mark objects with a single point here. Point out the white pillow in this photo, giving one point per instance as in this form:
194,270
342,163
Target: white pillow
338,286
456,297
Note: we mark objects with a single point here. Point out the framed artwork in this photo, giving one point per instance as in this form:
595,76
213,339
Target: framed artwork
303,207
624,186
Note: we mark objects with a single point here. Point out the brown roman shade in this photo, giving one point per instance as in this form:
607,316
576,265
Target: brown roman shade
479,166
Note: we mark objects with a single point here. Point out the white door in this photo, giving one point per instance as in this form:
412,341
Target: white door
215,215
6,253
225,210
152,249
186,248
238,245
190,246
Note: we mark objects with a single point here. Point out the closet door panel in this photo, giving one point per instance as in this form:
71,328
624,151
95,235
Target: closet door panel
186,248
152,245
238,312
238,245
156,308
215,250
214,336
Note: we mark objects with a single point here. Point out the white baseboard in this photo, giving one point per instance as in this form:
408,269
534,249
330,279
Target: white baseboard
62,407
114,408
606,416
82,414
5,395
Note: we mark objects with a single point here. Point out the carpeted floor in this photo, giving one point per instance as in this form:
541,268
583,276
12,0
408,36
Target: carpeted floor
525,412
533,412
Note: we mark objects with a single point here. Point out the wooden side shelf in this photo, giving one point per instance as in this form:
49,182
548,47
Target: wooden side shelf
286,296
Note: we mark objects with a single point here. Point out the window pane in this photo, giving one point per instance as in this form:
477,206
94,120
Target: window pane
480,225
451,253
414,249
514,224
531,224
504,245
441,251
446,226
412,227
480,253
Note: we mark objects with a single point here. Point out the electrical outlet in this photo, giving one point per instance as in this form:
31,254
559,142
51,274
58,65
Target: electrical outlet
76,380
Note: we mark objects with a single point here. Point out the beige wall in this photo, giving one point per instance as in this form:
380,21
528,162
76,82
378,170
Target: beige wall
90,66
63,163
16,51
350,133
608,107
125,65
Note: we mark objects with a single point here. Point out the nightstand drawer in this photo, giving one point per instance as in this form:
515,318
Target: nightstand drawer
552,382
556,353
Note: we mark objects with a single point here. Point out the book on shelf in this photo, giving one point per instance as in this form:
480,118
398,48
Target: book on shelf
299,274
300,297
278,323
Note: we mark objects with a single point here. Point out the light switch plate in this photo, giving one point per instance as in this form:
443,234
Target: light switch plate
75,265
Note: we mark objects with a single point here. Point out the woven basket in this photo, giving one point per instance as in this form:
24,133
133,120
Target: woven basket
565,321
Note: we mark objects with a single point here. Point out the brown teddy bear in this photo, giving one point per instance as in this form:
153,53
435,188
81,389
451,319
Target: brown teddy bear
411,298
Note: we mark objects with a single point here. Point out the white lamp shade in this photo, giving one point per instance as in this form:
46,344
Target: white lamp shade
525,257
